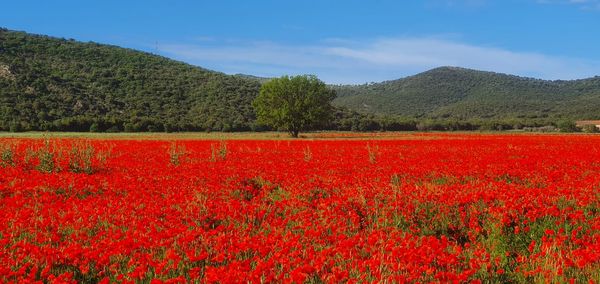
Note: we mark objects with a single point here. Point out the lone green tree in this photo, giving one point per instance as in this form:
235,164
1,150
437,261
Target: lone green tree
296,103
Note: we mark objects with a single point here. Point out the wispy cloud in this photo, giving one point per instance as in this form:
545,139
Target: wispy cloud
359,61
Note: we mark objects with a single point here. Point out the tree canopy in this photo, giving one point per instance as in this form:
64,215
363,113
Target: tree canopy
294,104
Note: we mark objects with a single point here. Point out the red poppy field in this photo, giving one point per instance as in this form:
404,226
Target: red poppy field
419,208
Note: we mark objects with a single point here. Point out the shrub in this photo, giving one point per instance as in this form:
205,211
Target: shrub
567,126
590,128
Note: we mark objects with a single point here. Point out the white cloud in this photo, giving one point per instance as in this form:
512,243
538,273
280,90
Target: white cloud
354,61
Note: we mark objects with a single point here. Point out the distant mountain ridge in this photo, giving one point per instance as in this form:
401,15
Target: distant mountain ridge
254,78
459,93
54,84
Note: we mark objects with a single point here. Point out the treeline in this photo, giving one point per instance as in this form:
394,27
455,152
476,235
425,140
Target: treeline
342,120
347,120
138,124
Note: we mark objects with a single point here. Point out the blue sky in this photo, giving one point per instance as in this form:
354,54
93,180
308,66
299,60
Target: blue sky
341,41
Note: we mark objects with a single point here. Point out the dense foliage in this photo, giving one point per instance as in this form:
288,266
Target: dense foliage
463,94
416,208
294,104
57,84
64,85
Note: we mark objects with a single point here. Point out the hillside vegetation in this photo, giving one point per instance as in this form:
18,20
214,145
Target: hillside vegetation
464,94
56,84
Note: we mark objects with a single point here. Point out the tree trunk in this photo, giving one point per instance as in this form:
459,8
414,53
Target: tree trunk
294,133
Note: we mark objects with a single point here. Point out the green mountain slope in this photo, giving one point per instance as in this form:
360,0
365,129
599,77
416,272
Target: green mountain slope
458,93
56,84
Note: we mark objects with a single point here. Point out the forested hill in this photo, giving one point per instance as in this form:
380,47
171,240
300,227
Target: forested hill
55,84
458,93
48,83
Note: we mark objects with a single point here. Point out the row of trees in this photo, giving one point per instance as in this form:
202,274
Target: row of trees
301,103
291,104
340,120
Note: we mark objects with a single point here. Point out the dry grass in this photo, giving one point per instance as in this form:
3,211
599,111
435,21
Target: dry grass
321,135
